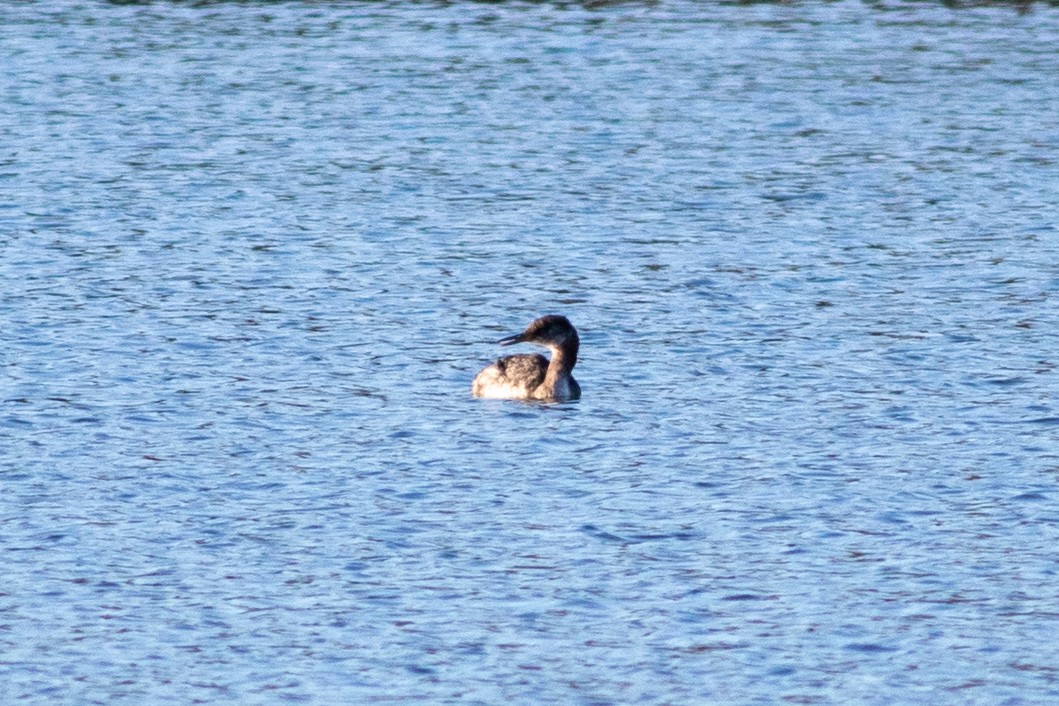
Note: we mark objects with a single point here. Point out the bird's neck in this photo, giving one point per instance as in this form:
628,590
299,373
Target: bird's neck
564,358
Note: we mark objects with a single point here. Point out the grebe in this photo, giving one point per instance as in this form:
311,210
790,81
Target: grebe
531,376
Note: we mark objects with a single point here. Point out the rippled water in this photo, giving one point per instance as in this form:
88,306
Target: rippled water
253,253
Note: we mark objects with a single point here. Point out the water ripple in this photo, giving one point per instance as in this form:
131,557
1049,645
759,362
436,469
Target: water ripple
254,254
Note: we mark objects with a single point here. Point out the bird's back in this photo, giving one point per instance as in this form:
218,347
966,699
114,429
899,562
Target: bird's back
511,376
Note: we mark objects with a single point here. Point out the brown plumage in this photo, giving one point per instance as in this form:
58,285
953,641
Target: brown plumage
532,376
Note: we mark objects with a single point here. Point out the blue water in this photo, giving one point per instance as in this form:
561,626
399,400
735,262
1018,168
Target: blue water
252,255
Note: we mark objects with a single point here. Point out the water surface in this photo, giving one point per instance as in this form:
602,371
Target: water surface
253,255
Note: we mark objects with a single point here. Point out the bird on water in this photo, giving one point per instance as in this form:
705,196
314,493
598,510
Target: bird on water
531,376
